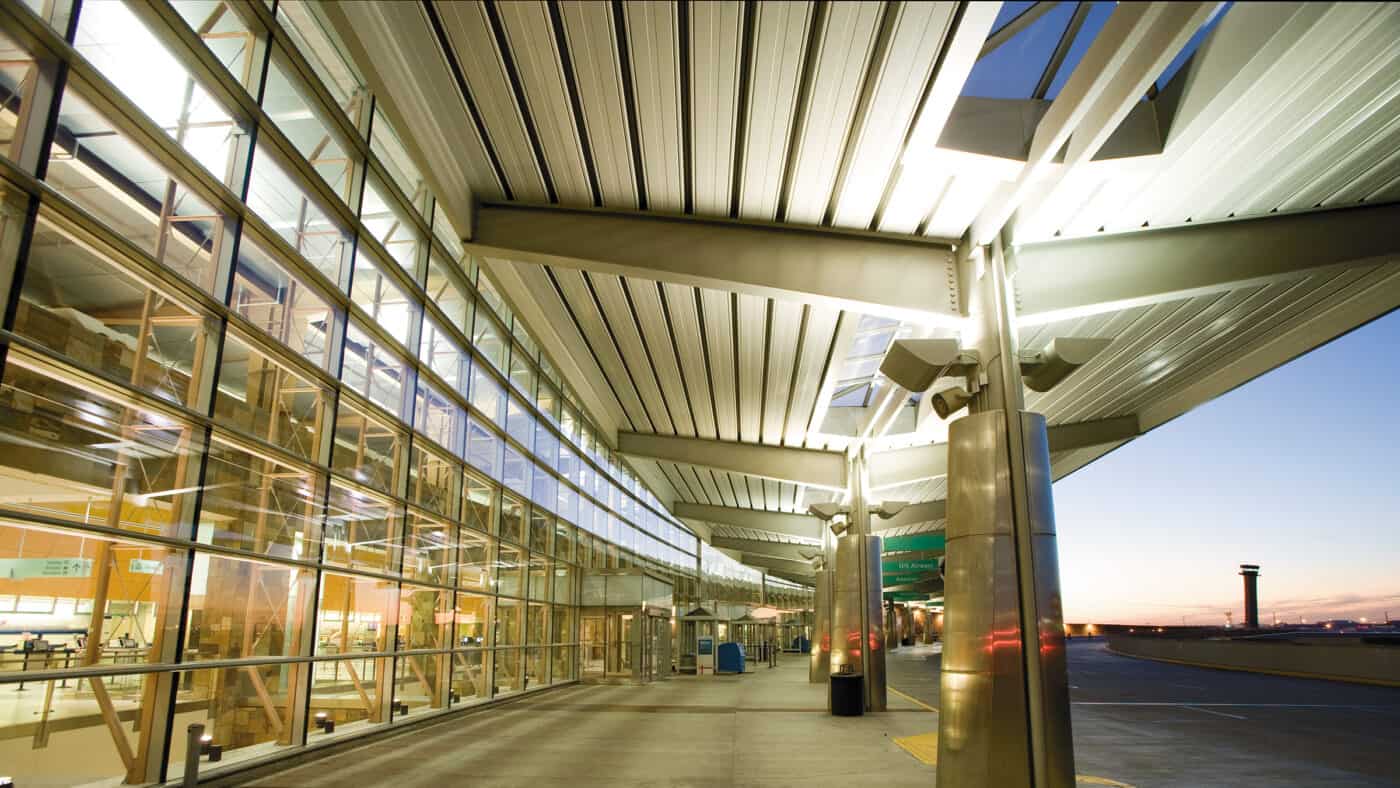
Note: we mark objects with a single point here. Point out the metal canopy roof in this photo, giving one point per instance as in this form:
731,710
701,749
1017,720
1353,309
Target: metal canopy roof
734,123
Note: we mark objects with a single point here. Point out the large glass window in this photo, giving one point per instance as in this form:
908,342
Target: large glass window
125,52
289,210
81,303
301,119
362,530
280,304
374,371
215,430
96,165
256,503
443,290
269,400
88,457
367,448
387,224
19,75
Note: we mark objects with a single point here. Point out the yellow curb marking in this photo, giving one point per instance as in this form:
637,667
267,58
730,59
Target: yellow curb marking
913,700
923,746
1084,778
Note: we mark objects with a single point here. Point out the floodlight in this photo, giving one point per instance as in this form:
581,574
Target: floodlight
888,509
838,528
826,511
949,401
1043,370
916,363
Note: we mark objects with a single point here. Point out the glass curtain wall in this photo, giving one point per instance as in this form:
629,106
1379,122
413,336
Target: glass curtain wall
274,458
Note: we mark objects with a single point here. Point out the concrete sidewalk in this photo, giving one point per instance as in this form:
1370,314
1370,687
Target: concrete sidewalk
766,728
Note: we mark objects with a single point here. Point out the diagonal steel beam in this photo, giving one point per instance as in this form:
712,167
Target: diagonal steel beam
1072,278
930,461
825,469
789,552
799,525
892,275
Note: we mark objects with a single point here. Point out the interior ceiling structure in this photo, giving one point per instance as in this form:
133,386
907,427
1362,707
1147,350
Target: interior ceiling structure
1181,179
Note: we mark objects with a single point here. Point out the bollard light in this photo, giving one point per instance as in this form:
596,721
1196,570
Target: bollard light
321,720
205,742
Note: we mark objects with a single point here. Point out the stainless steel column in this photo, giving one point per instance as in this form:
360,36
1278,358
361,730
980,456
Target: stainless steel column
857,622
821,629
1004,717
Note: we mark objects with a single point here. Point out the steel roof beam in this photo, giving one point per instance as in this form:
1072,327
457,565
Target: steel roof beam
1104,273
814,468
925,512
769,563
799,525
801,578
785,551
930,461
896,275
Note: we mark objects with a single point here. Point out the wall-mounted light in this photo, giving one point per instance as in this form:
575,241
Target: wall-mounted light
1044,369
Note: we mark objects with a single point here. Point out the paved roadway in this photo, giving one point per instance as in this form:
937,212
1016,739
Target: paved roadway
1159,725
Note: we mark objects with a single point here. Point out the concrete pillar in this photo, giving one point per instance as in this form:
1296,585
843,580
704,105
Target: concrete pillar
1005,701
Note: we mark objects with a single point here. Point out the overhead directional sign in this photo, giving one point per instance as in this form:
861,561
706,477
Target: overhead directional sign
909,542
898,567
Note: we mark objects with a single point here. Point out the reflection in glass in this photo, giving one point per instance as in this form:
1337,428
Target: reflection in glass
125,52
425,618
374,371
418,683
72,454
80,304
257,504
289,210
300,119
350,692
432,480
268,400
387,224
109,176
353,614
429,552
475,562
361,530
469,682
242,608
510,570
278,303
506,673
367,449
473,620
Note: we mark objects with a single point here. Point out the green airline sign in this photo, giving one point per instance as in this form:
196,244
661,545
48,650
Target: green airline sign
899,567
911,542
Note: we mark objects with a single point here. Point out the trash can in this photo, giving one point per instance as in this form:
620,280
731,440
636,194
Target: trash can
847,694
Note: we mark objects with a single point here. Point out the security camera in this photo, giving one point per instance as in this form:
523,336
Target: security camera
950,401
889,509
827,511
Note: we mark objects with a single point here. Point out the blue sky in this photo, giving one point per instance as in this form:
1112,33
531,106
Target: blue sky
1298,470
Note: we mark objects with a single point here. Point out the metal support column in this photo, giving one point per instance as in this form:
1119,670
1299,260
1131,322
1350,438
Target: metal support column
1005,700
857,624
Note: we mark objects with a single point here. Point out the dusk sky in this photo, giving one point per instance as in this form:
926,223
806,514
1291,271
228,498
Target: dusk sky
1298,471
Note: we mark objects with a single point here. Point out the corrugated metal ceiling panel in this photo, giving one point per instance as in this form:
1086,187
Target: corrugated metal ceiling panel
592,43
